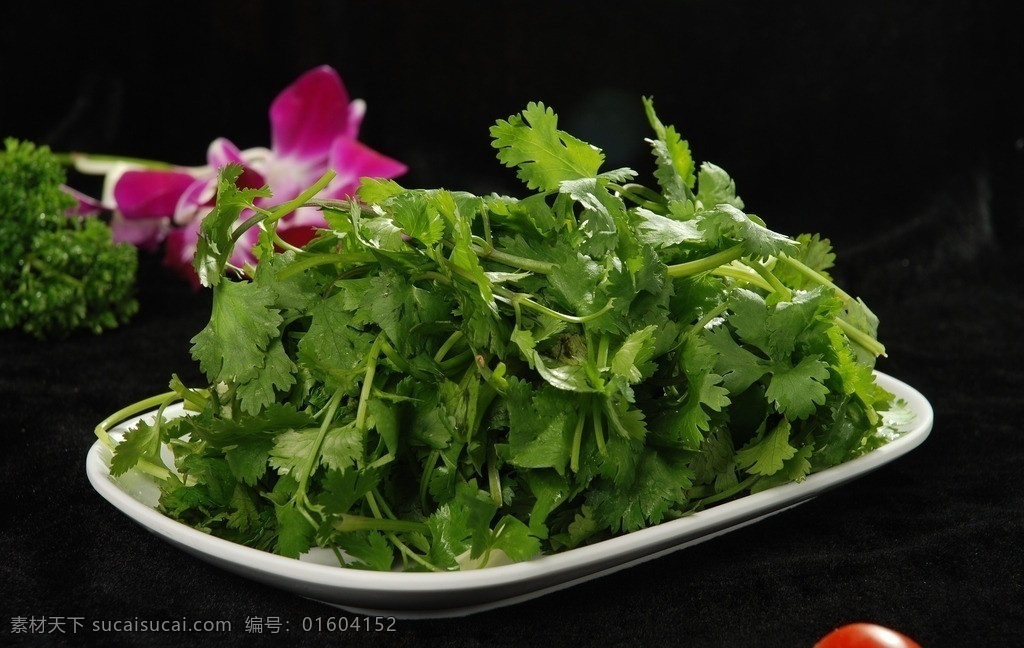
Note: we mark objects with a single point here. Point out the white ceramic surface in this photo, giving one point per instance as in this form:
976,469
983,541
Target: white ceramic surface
448,594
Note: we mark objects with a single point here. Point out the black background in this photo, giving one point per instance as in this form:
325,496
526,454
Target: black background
894,128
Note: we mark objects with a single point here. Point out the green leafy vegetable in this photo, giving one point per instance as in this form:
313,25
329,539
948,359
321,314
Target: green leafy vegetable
58,274
442,380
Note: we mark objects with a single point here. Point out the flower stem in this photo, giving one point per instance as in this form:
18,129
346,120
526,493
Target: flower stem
99,164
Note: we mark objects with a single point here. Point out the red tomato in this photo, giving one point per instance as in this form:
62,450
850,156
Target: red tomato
865,635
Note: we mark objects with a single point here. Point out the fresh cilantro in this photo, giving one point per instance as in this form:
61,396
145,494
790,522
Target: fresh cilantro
446,381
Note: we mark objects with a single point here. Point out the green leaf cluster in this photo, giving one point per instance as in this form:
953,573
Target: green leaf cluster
58,274
442,380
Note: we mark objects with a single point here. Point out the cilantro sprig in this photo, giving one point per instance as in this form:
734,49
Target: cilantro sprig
441,380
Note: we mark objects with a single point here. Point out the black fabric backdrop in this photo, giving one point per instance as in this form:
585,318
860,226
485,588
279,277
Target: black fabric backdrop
895,129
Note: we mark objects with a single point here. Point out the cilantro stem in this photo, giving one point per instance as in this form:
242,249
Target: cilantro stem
350,523
314,454
161,402
577,441
815,276
777,286
602,350
402,547
276,213
595,408
364,394
733,272
485,217
707,319
391,354
428,471
281,243
493,478
445,347
312,260
640,195
103,427
768,281
432,275
456,362
519,298
260,216
706,264
285,208
406,551
730,492
523,263
860,337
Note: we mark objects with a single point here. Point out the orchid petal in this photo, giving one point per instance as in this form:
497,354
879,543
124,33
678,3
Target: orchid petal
309,114
195,202
145,233
179,251
222,152
85,205
149,194
356,112
352,161
299,234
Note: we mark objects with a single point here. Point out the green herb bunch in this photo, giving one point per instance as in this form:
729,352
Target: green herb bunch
58,273
442,380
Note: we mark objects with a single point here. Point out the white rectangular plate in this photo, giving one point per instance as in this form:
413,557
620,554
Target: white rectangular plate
448,594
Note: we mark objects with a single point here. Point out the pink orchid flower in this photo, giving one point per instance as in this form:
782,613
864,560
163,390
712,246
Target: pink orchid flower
314,127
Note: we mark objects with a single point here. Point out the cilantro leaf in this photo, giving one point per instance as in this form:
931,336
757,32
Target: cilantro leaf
766,456
798,389
232,348
370,550
294,532
716,187
540,426
545,155
675,167
140,442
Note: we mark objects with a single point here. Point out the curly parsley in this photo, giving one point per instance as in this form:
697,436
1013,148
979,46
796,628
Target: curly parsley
58,274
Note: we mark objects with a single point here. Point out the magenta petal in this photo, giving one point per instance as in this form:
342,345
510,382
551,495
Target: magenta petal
353,160
197,196
86,205
356,112
309,114
222,152
145,233
180,250
243,254
149,194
